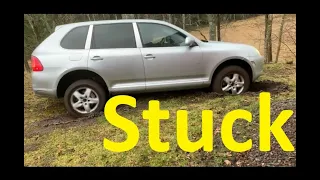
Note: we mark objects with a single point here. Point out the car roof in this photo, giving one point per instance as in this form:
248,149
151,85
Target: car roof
110,21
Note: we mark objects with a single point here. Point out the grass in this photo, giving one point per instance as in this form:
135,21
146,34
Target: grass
83,145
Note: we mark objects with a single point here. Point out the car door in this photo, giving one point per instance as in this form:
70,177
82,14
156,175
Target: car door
115,56
169,63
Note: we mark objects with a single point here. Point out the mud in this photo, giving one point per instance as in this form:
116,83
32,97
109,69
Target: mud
62,121
268,86
31,147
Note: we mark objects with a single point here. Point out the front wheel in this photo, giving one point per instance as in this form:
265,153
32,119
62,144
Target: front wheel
84,97
231,80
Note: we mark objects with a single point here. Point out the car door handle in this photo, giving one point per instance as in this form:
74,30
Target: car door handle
149,56
97,58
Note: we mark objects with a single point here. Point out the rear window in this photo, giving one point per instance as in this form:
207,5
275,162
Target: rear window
108,36
76,38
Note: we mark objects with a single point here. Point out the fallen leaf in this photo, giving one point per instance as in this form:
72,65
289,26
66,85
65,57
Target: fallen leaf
227,162
238,163
217,131
229,154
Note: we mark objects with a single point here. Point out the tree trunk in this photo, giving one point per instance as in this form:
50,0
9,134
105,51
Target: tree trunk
170,18
270,38
183,21
163,17
127,16
212,27
26,64
88,15
218,27
45,21
267,41
190,23
147,16
266,38
280,37
198,19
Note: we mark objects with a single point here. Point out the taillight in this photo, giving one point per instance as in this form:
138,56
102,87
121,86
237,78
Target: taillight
36,64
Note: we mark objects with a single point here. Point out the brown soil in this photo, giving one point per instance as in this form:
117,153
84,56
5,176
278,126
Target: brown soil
62,121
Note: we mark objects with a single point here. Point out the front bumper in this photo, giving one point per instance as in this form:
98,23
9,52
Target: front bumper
257,63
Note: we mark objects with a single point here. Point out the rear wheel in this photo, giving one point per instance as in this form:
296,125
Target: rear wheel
231,80
84,97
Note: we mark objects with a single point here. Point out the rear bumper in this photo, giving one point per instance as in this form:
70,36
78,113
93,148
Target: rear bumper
43,85
45,92
257,63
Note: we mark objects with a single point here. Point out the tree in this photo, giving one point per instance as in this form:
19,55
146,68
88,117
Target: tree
30,21
163,17
218,27
268,41
170,18
183,21
280,37
198,19
212,27
127,16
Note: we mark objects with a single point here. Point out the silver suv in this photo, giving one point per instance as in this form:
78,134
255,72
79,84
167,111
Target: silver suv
86,62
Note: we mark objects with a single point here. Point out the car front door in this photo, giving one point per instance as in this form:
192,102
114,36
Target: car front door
169,63
115,56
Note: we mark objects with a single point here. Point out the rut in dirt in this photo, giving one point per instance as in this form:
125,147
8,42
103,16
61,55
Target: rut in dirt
61,121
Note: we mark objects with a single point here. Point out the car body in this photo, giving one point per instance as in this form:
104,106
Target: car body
137,55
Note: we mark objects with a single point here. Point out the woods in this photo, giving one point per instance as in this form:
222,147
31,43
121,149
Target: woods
39,26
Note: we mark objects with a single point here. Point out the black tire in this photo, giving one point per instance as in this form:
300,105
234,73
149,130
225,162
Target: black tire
86,83
217,81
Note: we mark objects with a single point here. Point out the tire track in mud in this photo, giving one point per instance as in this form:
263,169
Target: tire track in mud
61,121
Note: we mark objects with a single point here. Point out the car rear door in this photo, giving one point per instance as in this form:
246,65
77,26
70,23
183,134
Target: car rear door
115,56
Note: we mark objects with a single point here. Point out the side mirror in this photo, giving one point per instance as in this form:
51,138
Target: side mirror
190,41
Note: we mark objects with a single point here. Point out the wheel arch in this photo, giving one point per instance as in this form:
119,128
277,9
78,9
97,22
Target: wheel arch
235,60
72,75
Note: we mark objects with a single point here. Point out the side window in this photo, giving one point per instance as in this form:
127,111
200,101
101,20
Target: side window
157,35
76,38
107,36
